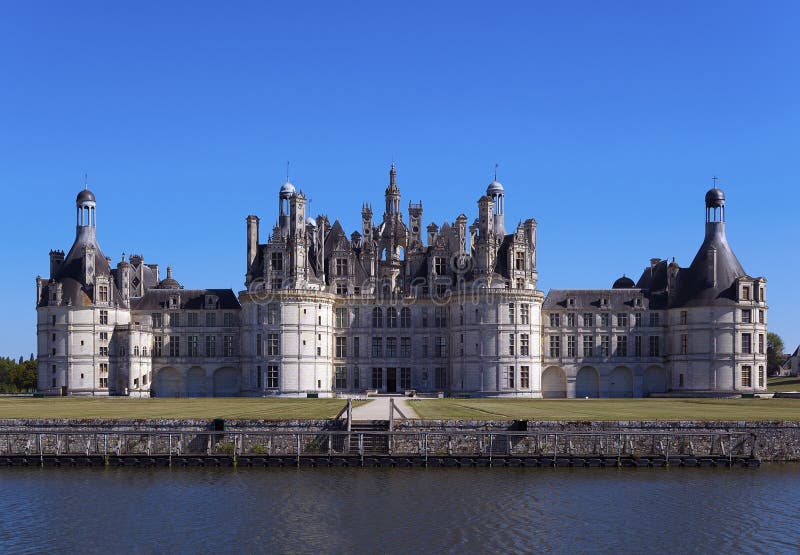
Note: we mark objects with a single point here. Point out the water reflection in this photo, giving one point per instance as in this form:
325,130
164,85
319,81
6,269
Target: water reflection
400,510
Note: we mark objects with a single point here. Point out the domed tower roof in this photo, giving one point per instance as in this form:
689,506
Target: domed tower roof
494,188
624,283
169,282
715,198
85,196
311,221
287,189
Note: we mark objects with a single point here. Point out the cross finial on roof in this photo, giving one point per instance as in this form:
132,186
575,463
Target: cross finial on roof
86,181
715,179
287,170
496,165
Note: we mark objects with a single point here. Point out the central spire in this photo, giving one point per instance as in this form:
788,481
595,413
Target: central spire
392,193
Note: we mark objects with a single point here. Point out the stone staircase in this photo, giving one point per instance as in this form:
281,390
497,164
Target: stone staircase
373,444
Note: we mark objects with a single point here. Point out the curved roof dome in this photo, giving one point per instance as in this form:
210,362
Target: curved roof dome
715,198
169,282
623,283
494,188
311,221
287,189
85,196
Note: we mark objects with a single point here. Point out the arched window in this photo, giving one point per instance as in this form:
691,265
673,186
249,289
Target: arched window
377,317
391,317
405,317
136,351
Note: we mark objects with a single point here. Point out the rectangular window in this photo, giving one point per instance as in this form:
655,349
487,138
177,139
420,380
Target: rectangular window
760,376
622,320
605,319
439,265
747,376
588,345
524,345
340,379
341,288
377,378
273,344
425,346
637,319
192,319
158,345
622,345
519,260
341,267
174,346
684,317
103,383
391,347
103,351
259,345
760,317
156,320
511,316
746,293
440,317
655,321
605,345
405,378
571,320
377,347
211,346
259,378
747,316
273,314
405,317
259,314
341,317
555,320
103,293
684,343
655,346
356,378
211,319
276,283
272,377
405,347
276,261
104,317
441,346
227,320
192,346
524,377
572,349
175,319
555,346
588,319
509,377
391,317
441,378
356,347
341,347
747,347
524,314
511,349
637,345
761,343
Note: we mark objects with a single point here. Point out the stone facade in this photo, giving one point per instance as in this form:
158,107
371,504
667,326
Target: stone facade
389,308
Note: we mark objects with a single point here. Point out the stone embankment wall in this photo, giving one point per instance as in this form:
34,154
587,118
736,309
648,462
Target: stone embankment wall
769,441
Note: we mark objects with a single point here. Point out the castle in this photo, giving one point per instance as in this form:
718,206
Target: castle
392,309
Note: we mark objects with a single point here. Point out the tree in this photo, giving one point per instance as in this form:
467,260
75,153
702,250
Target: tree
775,355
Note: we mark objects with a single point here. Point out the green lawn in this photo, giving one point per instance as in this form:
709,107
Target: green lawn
783,384
608,409
203,408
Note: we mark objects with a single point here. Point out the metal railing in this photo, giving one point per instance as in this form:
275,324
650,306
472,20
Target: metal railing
415,444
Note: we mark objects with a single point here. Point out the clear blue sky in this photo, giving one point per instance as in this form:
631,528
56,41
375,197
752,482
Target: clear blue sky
608,120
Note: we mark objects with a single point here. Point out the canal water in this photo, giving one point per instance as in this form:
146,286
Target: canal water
339,510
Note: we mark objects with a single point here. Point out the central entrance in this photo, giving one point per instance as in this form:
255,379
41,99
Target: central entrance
391,380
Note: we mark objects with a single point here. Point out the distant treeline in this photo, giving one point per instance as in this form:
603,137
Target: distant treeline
17,376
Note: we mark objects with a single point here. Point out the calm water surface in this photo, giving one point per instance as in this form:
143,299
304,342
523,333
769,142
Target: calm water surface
400,510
